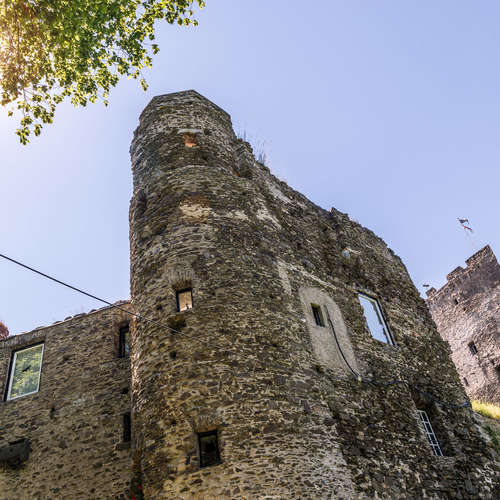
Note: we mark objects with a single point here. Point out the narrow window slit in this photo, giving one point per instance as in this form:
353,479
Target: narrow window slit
318,315
124,341
473,348
127,428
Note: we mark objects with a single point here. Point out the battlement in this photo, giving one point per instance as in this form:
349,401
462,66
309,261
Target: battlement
486,253
467,313
481,266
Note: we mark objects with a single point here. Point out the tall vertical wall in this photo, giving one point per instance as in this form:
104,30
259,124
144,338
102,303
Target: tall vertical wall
467,310
249,361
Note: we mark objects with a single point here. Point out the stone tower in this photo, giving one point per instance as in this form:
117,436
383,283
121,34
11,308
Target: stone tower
281,350
467,313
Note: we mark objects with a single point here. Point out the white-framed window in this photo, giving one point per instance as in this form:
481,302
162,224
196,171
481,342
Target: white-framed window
25,370
429,431
374,319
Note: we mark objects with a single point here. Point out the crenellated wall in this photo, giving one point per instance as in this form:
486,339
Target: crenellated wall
467,310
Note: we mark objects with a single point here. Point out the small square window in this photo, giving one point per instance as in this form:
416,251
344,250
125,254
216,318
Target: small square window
318,316
190,140
25,371
124,349
374,319
208,444
127,427
184,299
472,348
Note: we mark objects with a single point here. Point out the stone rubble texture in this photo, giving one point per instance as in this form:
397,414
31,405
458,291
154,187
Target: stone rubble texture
467,309
248,360
74,422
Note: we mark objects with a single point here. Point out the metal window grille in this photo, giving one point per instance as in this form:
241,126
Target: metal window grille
429,431
473,348
318,317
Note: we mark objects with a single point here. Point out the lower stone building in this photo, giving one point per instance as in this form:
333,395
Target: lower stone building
273,349
467,313
66,400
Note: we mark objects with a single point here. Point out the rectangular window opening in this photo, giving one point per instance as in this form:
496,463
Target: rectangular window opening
466,382
127,428
184,299
124,349
25,371
208,444
318,315
375,319
472,348
429,432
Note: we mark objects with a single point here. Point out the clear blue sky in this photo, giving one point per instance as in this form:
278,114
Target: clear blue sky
387,110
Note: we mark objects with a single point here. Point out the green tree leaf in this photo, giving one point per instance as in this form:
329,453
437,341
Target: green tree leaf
51,50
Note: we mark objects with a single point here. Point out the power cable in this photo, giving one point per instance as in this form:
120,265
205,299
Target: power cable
357,375
83,292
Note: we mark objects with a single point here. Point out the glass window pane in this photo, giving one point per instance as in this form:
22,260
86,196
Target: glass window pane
25,375
374,319
126,342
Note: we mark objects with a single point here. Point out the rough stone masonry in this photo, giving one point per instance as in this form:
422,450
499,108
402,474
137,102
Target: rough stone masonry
467,313
280,350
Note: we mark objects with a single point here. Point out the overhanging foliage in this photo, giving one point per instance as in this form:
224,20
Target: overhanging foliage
77,49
